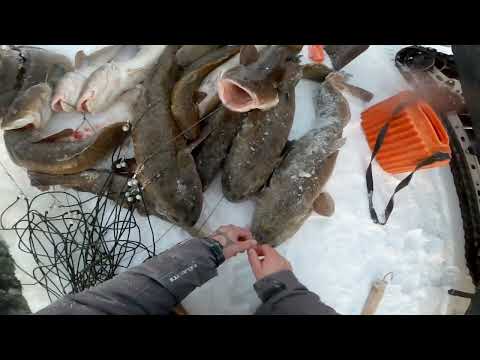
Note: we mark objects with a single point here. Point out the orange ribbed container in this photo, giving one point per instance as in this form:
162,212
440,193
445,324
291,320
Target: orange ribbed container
413,135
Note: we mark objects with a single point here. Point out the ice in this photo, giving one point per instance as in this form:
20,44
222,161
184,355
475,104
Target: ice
337,257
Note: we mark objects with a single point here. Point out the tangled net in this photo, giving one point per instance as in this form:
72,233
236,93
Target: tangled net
78,243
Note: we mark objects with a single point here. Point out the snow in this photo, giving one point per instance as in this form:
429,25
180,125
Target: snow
339,257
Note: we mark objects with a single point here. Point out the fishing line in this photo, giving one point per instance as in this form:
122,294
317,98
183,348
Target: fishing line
85,120
211,214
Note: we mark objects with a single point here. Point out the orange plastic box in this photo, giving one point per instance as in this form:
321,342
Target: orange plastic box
415,133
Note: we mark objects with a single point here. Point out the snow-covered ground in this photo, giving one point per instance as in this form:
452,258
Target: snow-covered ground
338,257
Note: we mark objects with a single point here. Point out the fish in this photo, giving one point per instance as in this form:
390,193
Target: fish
296,187
72,152
101,182
319,72
188,54
253,83
165,166
28,108
184,101
22,67
94,181
68,89
12,301
209,84
104,182
110,80
211,153
258,146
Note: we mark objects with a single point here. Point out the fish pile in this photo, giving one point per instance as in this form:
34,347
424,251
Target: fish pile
190,111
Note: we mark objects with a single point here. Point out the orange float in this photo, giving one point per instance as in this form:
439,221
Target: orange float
415,133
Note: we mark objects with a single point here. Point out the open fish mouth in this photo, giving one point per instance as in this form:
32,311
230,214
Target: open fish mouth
60,104
84,104
66,93
238,98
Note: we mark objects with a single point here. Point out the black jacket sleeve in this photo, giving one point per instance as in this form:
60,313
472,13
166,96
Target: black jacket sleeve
155,287
282,294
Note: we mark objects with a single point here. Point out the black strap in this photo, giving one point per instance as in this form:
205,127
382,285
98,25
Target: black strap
438,156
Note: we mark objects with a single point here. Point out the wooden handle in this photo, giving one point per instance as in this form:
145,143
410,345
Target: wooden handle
374,298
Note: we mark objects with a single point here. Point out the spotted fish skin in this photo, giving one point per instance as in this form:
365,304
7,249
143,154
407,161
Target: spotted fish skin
169,174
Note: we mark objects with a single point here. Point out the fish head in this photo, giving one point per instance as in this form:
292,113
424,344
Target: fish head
67,92
242,89
254,83
30,108
101,89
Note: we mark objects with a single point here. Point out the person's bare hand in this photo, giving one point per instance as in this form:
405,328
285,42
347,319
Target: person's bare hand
234,240
265,261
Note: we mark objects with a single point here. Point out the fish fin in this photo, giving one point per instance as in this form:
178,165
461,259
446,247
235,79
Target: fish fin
248,54
80,59
55,137
324,204
198,96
